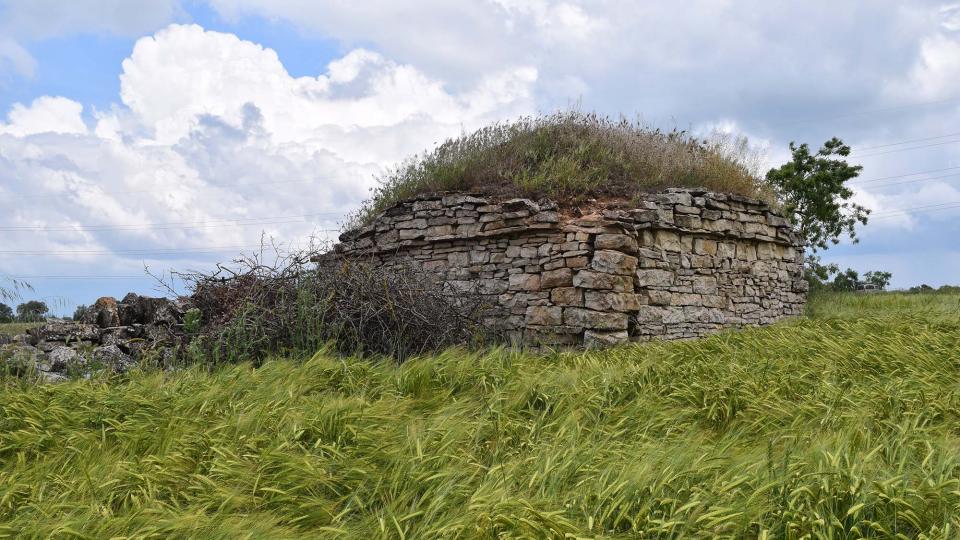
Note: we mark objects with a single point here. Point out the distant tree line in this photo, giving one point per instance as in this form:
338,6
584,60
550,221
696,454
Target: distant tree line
32,311
829,277
924,288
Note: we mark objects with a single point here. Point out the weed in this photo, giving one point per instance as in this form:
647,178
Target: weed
570,156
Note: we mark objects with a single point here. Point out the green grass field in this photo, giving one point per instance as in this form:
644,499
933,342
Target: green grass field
12,329
842,425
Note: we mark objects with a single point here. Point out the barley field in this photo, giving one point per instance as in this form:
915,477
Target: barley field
844,424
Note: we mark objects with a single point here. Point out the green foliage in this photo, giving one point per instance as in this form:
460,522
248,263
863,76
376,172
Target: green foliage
878,277
571,156
79,312
32,311
817,274
943,289
846,281
811,189
6,313
839,426
192,321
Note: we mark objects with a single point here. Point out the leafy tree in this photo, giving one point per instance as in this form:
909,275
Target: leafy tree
922,288
879,278
817,274
79,312
6,313
811,189
32,311
846,280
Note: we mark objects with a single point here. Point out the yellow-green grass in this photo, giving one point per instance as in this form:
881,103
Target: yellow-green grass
12,329
570,157
835,426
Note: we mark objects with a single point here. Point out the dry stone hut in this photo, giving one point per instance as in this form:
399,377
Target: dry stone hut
676,264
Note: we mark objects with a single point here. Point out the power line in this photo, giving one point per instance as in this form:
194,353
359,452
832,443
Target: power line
860,181
917,209
914,181
854,155
908,141
903,149
865,112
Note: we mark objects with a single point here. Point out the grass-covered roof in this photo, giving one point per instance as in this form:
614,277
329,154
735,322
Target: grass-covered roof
569,157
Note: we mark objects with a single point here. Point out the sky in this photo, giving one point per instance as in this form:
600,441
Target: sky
173,134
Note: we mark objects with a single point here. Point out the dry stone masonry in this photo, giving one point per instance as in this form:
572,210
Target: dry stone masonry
680,264
111,335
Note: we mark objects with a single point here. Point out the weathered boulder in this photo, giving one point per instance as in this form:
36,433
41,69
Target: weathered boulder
104,313
110,356
61,359
64,332
136,309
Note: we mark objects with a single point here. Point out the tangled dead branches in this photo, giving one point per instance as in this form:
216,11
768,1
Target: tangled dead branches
252,308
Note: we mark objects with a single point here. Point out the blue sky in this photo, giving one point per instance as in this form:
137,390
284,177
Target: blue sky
190,116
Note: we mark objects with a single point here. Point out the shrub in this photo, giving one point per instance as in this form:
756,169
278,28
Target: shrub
357,306
570,156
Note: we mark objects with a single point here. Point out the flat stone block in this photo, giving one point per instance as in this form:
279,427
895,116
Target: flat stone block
562,277
613,262
594,319
598,280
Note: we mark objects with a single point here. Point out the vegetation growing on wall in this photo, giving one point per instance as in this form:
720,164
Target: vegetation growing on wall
570,156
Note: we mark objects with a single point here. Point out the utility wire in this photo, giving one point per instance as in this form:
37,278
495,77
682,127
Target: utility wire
908,141
867,181
917,210
865,112
914,181
854,155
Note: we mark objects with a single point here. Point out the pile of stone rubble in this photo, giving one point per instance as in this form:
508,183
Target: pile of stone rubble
111,335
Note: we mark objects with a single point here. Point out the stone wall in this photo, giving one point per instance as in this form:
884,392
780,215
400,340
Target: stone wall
681,264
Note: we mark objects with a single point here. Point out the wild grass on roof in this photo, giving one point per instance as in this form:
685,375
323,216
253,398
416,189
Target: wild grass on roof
569,157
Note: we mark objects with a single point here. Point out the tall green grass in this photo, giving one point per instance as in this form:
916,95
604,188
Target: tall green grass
572,156
12,329
837,426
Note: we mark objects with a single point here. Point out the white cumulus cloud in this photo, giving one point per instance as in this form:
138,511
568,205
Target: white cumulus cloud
210,127
45,115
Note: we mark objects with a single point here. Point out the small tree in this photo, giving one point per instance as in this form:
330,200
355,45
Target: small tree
879,278
6,313
811,189
817,274
32,311
79,312
846,280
